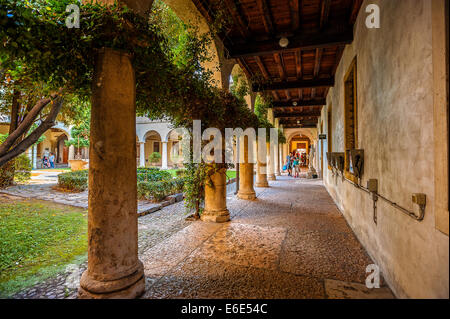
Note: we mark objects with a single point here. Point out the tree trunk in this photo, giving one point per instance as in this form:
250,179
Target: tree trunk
7,171
9,149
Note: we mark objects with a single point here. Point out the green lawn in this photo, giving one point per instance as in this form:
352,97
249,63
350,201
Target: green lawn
37,240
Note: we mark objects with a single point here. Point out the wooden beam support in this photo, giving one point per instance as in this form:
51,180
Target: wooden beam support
324,13
300,84
279,62
303,41
295,6
267,16
297,116
262,67
238,19
356,6
301,103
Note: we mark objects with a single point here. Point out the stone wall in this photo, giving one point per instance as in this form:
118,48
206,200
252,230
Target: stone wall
395,129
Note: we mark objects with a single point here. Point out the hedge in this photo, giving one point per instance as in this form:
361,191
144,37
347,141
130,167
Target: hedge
153,184
74,181
160,189
152,174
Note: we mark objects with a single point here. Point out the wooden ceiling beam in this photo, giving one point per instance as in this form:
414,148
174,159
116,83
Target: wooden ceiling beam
279,62
324,13
295,6
302,41
262,67
238,18
356,5
298,63
297,116
299,84
266,15
301,103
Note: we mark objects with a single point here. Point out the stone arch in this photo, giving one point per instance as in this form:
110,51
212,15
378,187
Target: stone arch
174,149
219,65
250,98
153,143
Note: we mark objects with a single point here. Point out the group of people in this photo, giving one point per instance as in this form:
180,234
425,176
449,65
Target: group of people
48,161
293,163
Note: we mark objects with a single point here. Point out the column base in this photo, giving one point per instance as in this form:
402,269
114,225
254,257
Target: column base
246,196
271,177
220,216
129,287
264,184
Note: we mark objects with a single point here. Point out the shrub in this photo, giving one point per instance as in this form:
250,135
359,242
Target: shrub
23,168
154,157
180,172
158,190
74,181
152,174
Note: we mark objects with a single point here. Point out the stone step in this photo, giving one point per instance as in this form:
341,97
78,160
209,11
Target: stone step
148,208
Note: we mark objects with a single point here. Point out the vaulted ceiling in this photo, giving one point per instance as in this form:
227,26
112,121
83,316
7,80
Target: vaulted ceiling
299,75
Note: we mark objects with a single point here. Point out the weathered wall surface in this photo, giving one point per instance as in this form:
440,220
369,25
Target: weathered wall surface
395,129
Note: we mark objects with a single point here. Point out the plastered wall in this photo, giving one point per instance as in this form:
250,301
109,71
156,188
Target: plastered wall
395,129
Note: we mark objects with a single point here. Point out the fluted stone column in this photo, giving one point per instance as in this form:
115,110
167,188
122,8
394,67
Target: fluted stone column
261,174
164,156
142,154
114,270
270,164
216,198
246,190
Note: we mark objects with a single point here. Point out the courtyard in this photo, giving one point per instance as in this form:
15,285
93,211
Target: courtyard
332,181
289,248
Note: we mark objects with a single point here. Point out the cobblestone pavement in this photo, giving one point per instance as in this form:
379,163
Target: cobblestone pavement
291,242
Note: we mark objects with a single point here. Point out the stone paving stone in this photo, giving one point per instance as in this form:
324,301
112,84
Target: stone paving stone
336,289
174,249
200,278
324,255
244,245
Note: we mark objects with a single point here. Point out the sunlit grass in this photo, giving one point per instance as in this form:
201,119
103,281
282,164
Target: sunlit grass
37,240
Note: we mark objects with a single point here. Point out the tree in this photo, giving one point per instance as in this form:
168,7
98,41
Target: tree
154,157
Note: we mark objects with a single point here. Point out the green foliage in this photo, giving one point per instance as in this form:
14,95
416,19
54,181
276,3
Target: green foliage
158,190
22,168
76,181
194,187
154,157
262,104
152,174
239,87
37,240
80,135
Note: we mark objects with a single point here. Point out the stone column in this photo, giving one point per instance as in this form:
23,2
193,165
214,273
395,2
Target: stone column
246,190
71,152
276,157
142,154
114,270
34,156
261,174
280,160
30,154
216,198
164,156
270,164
